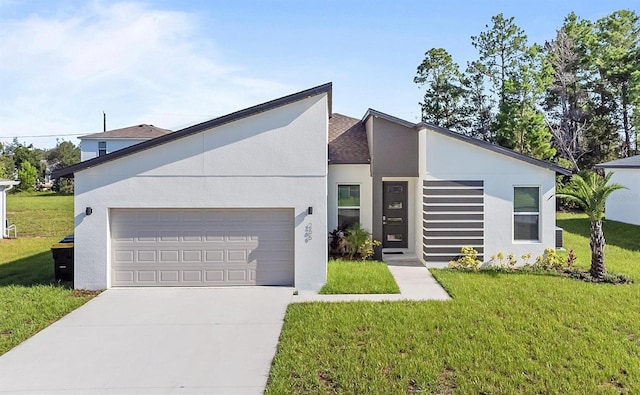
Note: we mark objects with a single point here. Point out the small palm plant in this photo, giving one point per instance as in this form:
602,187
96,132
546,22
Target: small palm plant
590,193
358,239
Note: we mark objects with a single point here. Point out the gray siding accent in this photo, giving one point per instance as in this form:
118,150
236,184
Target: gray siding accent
454,192
449,183
453,225
453,217
454,233
454,200
447,250
446,258
394,148
453,242
445,209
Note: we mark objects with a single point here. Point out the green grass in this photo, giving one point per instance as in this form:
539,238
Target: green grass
502,333
360,277
29,298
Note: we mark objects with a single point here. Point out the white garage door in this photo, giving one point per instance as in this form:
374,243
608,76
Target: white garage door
196,247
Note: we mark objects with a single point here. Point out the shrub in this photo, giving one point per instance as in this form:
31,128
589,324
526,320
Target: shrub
467,260
550,259
354,243
28,176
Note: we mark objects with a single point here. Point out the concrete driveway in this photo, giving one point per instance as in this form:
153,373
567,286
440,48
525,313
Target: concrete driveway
154,341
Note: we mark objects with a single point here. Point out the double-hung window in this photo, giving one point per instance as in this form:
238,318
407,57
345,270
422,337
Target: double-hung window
348,205
102,148
526,213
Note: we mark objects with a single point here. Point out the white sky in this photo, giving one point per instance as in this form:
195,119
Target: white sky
62,63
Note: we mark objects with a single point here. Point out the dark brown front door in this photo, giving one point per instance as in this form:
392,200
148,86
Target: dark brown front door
394,214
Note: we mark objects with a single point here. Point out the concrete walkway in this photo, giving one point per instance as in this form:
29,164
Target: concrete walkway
413,278
154,341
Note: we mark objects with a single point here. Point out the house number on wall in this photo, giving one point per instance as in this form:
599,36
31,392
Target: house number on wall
308,233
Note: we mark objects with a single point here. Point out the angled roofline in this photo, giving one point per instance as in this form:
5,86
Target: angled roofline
470,140
496,148
632,162
235,116
375,113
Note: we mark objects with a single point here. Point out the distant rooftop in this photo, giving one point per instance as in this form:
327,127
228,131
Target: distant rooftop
132,132
632,162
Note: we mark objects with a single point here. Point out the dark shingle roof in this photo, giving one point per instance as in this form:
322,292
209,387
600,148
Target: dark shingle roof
347,141
131,132
247,112
632,162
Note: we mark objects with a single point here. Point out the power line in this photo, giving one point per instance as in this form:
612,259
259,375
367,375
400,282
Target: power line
43,135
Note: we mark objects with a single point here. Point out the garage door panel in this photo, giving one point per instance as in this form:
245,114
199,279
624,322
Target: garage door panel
147,256
202,247
191,255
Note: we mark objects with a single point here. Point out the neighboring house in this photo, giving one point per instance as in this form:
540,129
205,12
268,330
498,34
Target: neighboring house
249,198
98,144
5,185
624,204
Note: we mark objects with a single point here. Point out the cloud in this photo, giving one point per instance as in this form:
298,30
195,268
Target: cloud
140,65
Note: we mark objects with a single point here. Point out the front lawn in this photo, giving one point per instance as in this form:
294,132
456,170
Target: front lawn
501,333
359,277
29,299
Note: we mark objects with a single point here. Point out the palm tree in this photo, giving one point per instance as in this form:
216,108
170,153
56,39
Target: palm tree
590,193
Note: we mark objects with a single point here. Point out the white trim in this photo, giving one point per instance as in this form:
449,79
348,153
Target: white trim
338,207
530,213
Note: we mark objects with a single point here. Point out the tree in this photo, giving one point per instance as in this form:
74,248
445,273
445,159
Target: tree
519,75
28,176
500,48
617,57
64,154
566,99
590,193
7,165
444,98
480,104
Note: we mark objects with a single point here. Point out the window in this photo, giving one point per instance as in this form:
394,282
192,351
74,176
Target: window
348,205
526,213
102,148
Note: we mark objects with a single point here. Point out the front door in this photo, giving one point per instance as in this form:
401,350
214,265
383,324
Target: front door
394,214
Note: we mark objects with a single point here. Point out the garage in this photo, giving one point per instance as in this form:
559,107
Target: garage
201,247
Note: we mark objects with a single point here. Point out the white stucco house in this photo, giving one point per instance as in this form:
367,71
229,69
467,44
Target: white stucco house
250,197
98,144
5,186
624,204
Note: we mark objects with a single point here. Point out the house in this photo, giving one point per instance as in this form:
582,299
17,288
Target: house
624,204
5,185
249,198
98,144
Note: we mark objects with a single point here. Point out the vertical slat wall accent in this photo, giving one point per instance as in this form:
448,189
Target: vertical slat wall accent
453,217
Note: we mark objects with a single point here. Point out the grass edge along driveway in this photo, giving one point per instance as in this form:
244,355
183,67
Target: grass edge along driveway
29,298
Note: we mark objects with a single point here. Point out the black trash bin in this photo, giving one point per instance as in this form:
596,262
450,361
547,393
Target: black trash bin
63,259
